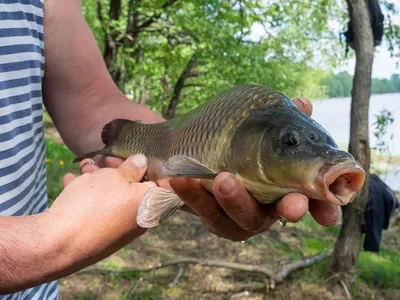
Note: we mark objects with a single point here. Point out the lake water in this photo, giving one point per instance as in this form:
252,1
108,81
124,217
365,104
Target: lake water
334,115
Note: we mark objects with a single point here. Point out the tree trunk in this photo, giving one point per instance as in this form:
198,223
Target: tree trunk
188,72
347,246
110,44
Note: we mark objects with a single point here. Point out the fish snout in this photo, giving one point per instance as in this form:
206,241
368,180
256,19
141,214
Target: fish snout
334,156
342,181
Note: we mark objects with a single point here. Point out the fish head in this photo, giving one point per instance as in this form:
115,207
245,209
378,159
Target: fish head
281,150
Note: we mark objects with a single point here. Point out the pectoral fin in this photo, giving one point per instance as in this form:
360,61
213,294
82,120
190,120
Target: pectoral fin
157,205
184,166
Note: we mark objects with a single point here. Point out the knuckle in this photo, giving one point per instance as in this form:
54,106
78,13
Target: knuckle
252,224
215,218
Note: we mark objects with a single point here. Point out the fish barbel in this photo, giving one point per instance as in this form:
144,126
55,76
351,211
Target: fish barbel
251,131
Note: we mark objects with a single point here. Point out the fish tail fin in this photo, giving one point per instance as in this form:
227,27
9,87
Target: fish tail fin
104,151
109,136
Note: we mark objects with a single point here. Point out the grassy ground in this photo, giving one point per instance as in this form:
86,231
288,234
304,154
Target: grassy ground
376,276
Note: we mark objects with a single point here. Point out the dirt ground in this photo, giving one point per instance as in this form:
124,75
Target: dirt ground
183,235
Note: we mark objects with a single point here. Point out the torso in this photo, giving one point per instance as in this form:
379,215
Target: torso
22,149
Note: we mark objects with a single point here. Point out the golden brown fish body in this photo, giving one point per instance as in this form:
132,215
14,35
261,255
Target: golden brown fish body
252,131
204,134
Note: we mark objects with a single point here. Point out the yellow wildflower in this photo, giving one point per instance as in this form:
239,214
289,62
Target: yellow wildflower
48,160
61,162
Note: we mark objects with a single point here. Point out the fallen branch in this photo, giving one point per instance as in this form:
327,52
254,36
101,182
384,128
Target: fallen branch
178,275
305,262
274,277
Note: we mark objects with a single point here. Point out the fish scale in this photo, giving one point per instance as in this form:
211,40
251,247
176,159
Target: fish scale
252,131
203,134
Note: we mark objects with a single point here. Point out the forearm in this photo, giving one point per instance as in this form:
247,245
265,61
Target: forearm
45,247
88,137
30,252
79,93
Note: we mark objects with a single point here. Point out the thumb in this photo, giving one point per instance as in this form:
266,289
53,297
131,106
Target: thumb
134,167
67,179
304,105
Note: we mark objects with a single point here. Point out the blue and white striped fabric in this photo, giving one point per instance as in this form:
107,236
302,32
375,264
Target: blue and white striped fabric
22,150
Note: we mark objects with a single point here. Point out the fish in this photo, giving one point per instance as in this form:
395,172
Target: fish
252,131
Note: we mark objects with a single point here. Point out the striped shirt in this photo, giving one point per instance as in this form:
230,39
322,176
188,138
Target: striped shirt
22,149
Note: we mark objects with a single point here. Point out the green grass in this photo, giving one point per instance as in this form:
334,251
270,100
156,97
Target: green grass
58,163
47,122
381,270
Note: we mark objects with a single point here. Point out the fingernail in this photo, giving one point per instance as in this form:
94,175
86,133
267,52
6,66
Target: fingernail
227,185
87,162
140,160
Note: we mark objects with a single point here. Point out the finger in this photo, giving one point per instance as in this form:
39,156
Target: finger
196,197
67,179
88,166
304,105
292,207
206,206
324,213
112,162
240,206
141,188
134,167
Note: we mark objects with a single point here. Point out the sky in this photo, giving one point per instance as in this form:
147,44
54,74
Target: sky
384,65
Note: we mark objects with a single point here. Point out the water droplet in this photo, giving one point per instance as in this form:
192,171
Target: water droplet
282,222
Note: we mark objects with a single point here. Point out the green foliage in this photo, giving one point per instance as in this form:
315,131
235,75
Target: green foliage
383,121
381,157
219,36
340,85
58,163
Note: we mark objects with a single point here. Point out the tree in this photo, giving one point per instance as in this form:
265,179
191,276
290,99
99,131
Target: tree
160,52
347,246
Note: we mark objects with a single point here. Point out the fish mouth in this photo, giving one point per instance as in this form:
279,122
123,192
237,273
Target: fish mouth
342,182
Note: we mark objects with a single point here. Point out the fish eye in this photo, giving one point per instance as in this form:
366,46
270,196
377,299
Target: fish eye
314,136
290,139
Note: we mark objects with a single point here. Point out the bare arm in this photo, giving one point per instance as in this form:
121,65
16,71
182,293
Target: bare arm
92,218
79,93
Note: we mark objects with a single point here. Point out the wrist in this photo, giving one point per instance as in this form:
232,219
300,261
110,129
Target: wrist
55,250
68,245
75,240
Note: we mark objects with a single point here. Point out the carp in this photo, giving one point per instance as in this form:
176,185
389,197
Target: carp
252,131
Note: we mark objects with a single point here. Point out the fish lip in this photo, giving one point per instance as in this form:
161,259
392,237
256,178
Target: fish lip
346,170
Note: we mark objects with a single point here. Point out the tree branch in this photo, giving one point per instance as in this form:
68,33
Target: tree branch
187,73
308,261
100,17
178,275
275,277
152,19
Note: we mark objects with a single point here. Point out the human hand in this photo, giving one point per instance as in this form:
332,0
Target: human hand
98,209
232,213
